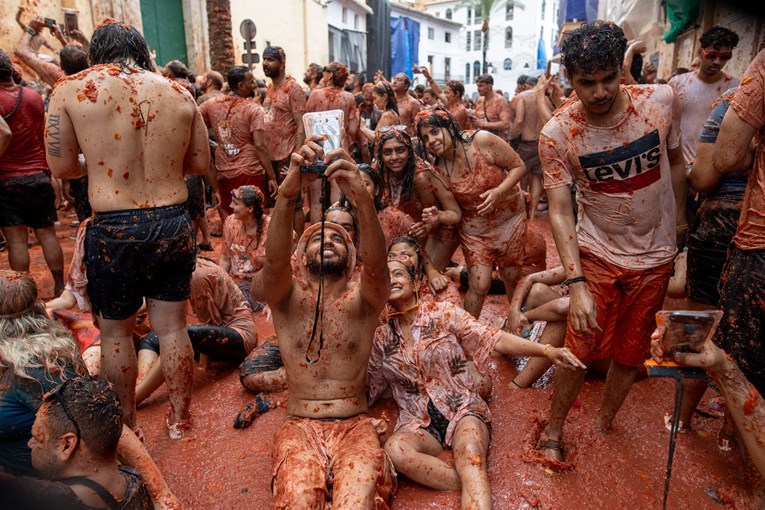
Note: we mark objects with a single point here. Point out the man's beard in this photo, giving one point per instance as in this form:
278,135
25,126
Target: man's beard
271,73
333,267
307,79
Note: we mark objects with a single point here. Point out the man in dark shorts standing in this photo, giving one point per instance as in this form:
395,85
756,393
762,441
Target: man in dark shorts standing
742,286
621,146
27,198
139,133
284,106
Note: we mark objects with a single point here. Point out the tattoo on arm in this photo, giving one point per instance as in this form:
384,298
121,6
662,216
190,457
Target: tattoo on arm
54,135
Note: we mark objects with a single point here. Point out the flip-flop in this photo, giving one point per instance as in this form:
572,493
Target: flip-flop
551,444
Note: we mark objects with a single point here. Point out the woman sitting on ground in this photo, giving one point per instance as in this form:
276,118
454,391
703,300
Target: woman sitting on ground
418,353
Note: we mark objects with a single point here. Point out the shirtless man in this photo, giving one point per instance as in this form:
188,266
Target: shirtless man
492,111
327,406
621,146
140,134
529,123
407,105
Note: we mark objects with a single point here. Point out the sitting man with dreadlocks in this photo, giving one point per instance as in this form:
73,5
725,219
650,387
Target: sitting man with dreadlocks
328,448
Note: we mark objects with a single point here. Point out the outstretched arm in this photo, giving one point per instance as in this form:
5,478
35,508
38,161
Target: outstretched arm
742,400
48,72
374,276
277,273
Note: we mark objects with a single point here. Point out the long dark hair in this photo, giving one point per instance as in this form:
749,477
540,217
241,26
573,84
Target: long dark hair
119,43
377,181
417,271
442,118
411,163
384,89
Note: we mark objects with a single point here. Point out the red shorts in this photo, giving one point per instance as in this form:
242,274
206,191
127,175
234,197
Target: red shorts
226,186
338,460
627,301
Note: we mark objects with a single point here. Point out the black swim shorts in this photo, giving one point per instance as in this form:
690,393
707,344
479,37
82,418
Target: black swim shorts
138,253
196,201
264,358
27,200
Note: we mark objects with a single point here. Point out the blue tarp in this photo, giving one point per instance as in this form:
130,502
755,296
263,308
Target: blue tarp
404,44
582,10
541,55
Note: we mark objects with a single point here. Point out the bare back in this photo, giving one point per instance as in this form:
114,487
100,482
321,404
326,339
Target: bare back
137,131
532,121
335,385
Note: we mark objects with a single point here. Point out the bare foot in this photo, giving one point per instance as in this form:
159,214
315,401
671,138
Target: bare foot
604,426
552,450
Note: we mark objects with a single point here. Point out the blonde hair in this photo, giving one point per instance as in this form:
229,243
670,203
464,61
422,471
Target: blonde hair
28,337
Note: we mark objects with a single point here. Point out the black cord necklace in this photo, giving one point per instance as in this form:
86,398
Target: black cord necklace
318,316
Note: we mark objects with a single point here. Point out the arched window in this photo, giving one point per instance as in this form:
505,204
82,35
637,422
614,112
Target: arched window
509,37
509,10
467,72
476,70
448,14
508,64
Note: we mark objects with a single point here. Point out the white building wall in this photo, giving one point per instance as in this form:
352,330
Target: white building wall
434,52
526,23
298,26
355,15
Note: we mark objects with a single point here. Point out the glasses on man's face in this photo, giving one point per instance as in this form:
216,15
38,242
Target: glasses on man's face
56,395
400,128
714,55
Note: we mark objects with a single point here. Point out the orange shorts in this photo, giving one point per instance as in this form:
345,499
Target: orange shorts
318,461
627,301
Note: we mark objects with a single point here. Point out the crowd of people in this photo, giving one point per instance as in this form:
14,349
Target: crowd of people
350,251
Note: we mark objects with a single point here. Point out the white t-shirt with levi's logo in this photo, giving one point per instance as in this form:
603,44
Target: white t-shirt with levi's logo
622,176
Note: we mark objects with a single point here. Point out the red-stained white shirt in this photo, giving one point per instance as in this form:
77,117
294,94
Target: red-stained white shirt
436,369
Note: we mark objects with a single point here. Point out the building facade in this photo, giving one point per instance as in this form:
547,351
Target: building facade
347,37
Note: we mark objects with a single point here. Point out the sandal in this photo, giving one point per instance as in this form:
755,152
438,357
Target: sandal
551,444
178,429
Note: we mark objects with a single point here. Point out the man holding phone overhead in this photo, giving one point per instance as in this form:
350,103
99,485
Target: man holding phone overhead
327,448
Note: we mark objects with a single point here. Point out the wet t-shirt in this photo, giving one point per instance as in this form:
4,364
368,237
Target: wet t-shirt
216,300
26,153
335,98
492,111
436,368
697,98
749,103
624,188
279,108
246,252
234,120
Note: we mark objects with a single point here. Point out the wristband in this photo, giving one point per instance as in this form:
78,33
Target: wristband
546,350
682,228
570,281
31,31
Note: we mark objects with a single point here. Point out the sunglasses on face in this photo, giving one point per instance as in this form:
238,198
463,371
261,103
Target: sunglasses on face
714,55
400,128
56,395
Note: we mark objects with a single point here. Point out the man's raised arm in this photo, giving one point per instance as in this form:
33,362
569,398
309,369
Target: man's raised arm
277,273
374,277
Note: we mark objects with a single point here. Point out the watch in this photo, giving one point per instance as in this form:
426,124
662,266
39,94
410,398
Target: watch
31,31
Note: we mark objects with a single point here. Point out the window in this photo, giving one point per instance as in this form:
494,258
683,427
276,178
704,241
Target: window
431,33
448,14
430,62
477,20
345,15
476,70
477,39
509,37
447,37
355,21
467,72
509,10
438,14
508,64
544,5
447,68
468,38
541,33
470,16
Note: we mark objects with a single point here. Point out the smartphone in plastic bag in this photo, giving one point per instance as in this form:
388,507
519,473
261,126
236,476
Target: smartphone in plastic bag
329,127
686,331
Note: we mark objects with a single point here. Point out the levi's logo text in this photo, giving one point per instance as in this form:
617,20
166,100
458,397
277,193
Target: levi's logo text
624,169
